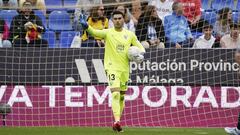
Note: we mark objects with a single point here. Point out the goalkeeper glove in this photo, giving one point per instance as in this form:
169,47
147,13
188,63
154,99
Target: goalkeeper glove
83,21
139,58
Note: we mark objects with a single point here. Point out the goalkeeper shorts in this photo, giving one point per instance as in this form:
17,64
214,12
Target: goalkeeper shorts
118,79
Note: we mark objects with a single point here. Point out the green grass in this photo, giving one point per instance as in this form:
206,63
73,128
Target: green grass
108,131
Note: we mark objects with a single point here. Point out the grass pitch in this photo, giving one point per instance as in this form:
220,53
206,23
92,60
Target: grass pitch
108,131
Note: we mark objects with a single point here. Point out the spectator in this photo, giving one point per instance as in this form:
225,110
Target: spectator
222,26
150,29
164,7
4,29
7,4
206,40
33,37
83,7
231,40
98,21
4,32
137,7
38,4
129,24
176,28
192,11
109,6
136,10
22,23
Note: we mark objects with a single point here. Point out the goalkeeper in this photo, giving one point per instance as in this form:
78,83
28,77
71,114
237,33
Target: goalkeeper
116,62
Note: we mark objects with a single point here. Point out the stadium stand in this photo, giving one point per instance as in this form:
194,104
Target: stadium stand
219,4
238,6
41,15
236,17
8,15
54,5
69,4
50,36
59,21
211,17
205,5
66,38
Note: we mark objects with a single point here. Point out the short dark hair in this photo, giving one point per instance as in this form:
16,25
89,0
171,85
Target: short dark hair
116,12
234,26
207,26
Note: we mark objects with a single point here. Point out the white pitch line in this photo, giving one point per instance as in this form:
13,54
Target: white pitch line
199,132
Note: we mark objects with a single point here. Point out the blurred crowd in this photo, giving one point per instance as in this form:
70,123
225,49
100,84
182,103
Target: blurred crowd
156,23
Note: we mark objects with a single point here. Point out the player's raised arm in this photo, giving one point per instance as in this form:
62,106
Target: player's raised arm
92,31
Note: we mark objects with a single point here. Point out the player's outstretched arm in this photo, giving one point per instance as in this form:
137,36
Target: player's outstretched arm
90,30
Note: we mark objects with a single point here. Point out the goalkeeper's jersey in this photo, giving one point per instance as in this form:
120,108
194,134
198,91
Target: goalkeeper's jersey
116,47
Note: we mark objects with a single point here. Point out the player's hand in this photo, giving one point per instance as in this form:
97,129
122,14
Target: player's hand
83,21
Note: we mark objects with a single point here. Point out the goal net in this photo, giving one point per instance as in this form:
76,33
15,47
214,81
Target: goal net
57,78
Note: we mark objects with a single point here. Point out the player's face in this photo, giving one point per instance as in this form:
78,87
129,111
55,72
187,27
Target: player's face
118,21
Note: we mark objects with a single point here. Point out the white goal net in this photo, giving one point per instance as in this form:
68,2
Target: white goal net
52,73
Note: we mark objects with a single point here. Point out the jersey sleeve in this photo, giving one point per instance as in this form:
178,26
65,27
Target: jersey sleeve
135,42
97,33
